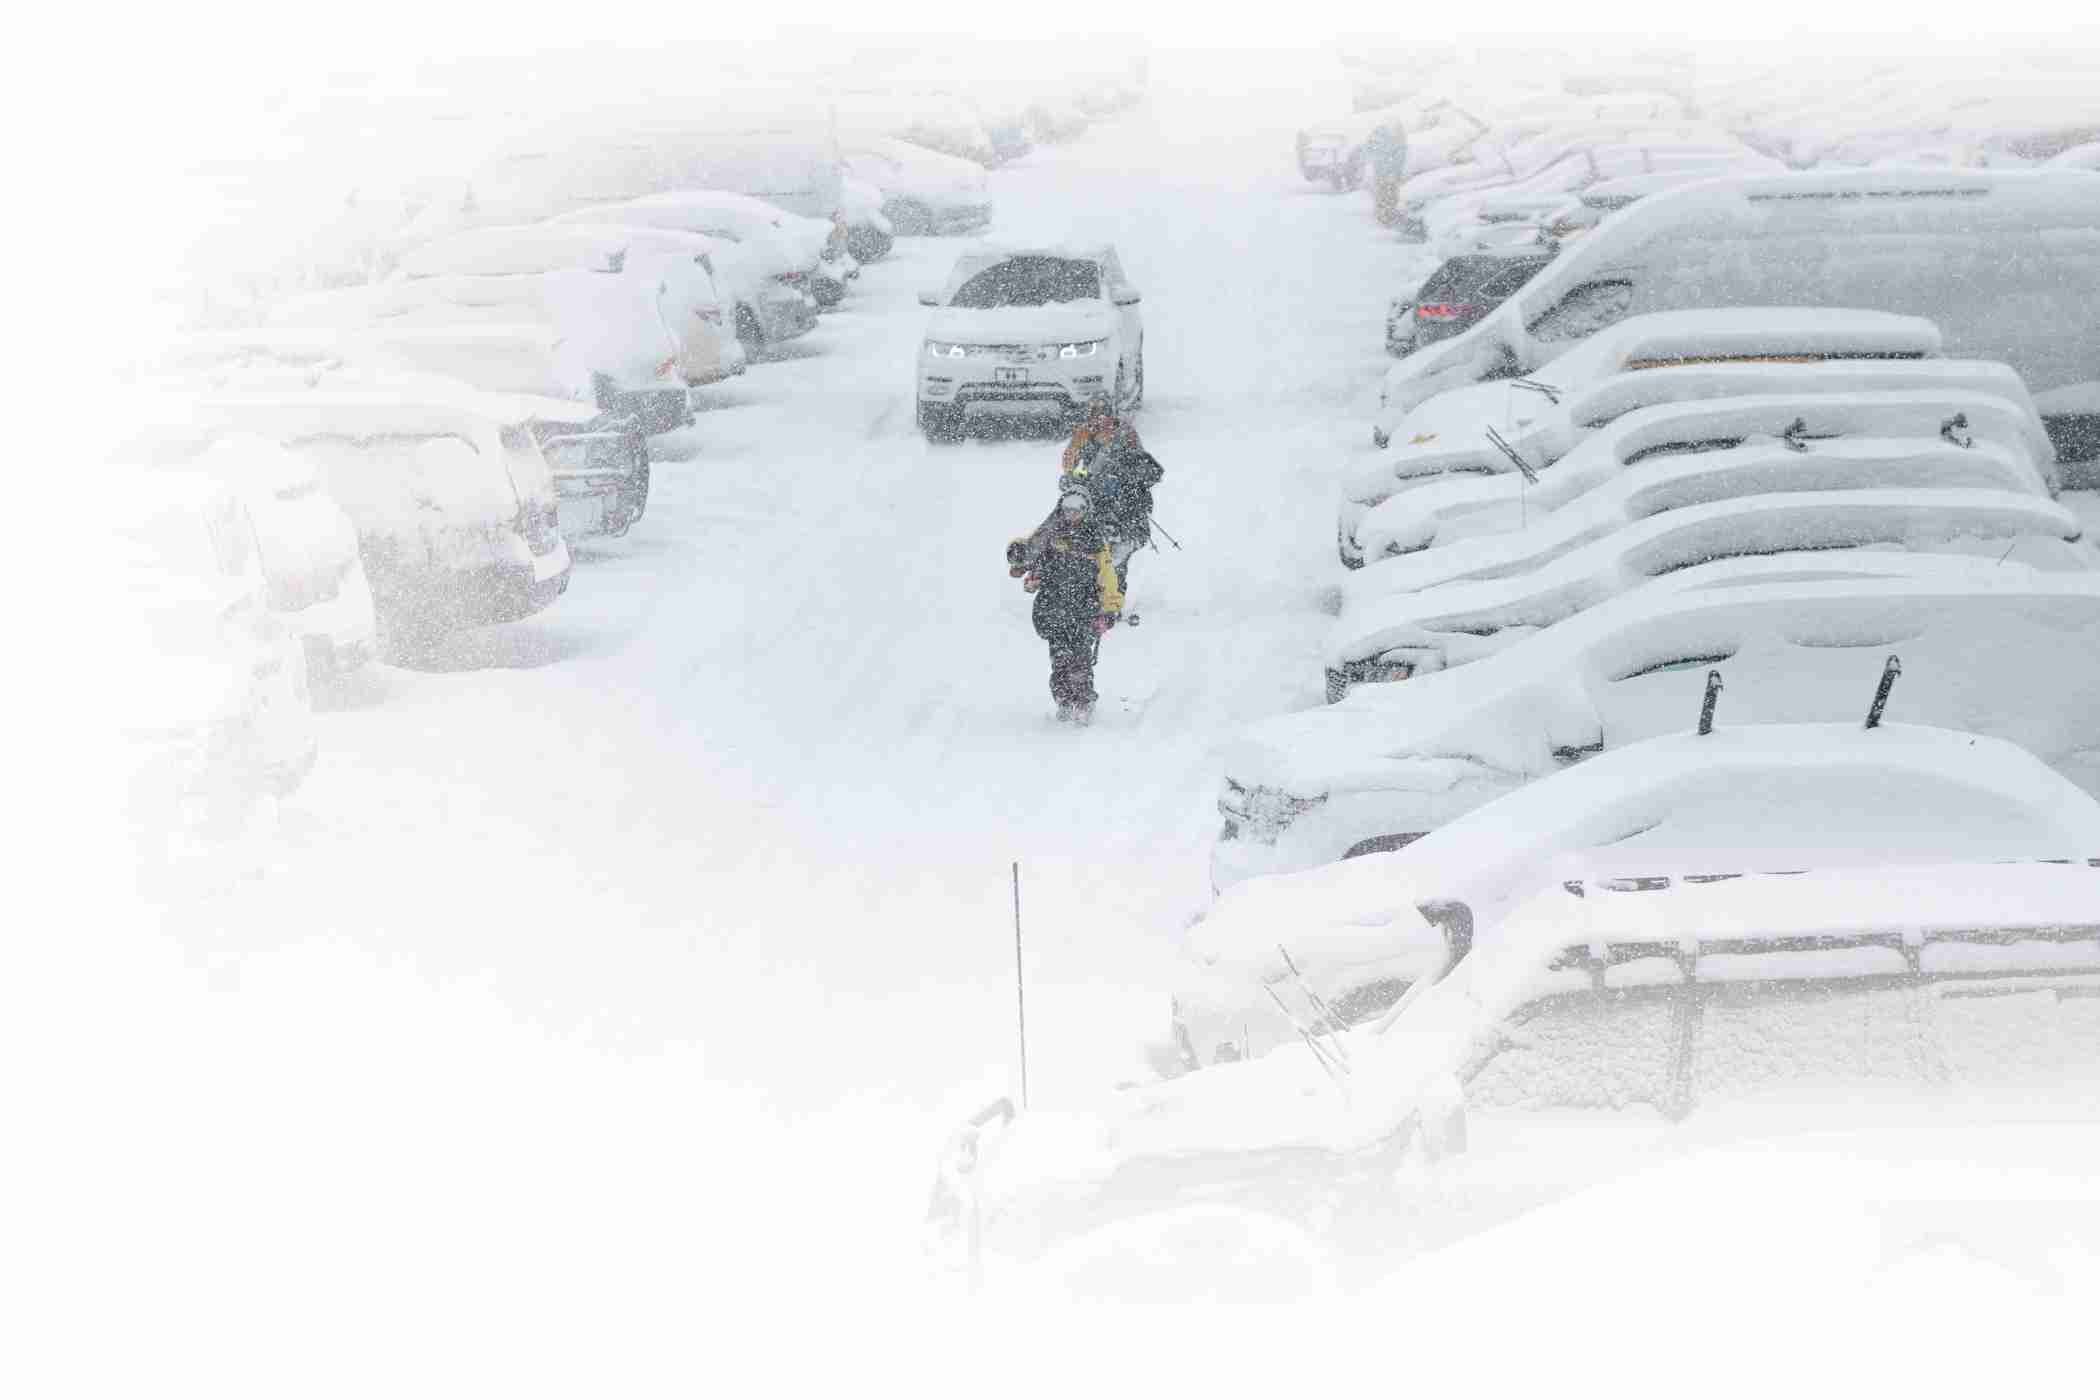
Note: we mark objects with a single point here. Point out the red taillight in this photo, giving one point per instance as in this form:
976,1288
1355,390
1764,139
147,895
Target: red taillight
1441,310
793,279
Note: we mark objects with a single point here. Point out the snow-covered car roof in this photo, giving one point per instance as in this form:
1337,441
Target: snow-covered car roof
355,405
708,213
2081,157
1850,205
560,245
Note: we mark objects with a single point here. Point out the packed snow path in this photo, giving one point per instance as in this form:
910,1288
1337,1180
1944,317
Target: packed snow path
707,867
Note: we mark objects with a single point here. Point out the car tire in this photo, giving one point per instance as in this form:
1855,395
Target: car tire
911,218
1337,686
748,330
941,422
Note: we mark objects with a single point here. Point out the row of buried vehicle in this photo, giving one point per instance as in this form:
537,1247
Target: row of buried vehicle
371,467
1712,711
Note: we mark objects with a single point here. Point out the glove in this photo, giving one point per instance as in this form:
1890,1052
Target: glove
1102,622
1013,557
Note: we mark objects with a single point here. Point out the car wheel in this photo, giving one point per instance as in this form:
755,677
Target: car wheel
941,422
1337,686
910,217
747,328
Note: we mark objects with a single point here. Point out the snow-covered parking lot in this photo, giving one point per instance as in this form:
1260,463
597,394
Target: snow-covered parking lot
630,960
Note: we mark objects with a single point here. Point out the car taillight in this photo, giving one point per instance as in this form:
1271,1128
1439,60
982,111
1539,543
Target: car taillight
1441,310
792,279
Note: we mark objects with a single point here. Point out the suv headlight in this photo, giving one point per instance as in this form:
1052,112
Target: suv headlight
945,350
1079,349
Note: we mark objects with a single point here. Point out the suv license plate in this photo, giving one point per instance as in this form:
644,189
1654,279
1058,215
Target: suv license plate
1005,375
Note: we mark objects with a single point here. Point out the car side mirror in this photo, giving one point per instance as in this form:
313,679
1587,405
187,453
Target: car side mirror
1128,297
929,298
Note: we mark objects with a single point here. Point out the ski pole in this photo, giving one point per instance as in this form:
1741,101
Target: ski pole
1165,531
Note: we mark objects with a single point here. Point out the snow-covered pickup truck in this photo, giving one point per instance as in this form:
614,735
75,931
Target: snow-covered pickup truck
2005,263
1559,1005
1797,636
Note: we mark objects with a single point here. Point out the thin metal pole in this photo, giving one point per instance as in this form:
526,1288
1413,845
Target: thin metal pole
1020,988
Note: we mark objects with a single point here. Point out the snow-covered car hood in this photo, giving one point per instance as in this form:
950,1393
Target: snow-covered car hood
1024,325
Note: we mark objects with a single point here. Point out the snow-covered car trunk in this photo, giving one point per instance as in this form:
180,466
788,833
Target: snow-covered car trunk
223,720
1460,484
1995,647
611,343
2004,262
308,548
923,191
455,506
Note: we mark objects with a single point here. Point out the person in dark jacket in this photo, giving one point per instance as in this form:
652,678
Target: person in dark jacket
1065,563
1387,149
1107,461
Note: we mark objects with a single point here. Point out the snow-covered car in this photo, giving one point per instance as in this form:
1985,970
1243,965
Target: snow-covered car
455,505
1663,517
612,329
1355,940
2004,262
616,292
2080,157
869,232
1460,292
1927,959
1030,330
220,719
1653,460
1734,335
1797,636
307,547
1666,358
613,155
600,459
923,191
1723,414
793,250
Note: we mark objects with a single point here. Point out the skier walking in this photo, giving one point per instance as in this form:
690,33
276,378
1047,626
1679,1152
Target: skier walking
1065,563
1107,461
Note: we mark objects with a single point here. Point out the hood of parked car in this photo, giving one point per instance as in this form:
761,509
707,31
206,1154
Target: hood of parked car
1024,325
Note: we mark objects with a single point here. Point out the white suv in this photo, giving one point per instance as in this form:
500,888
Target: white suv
1029,330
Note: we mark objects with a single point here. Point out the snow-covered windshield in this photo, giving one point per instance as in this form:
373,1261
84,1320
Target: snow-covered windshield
1030,281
